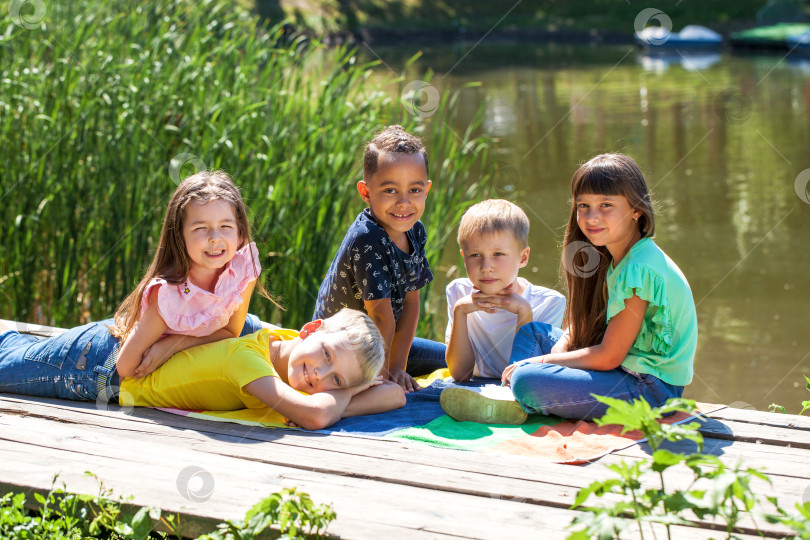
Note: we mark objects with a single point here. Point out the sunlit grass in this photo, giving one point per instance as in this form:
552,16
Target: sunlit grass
100,98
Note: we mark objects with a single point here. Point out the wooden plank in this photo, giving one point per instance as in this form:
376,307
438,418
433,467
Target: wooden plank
514,466
774,460
33,329
360,503
387,449
77,438
789,421
429,510
394,451
405,473
748,432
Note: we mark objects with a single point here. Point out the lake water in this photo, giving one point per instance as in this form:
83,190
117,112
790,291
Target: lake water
722,139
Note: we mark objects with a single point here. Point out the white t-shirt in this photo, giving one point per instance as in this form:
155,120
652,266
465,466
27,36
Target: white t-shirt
491,334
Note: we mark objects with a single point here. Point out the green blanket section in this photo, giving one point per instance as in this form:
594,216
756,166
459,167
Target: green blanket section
447,433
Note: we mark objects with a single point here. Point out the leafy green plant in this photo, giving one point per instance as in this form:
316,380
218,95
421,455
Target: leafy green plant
797,521
773,407
292,511
716,490
67,516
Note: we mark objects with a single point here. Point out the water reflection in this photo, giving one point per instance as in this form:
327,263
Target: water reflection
688,60
721,139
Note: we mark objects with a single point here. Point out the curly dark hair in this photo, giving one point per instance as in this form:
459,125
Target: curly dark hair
393,139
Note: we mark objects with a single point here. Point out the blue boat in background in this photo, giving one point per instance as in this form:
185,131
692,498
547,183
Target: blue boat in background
692,36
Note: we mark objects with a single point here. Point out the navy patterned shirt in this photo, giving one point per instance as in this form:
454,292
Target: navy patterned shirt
370,266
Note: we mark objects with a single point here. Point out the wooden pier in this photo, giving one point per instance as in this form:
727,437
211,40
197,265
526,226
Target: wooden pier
209,471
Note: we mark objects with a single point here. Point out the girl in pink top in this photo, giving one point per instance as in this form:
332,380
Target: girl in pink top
197,289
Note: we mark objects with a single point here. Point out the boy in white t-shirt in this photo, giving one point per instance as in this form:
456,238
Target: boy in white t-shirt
486,309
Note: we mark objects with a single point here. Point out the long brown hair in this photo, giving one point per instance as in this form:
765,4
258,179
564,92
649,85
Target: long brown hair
584,264
171,261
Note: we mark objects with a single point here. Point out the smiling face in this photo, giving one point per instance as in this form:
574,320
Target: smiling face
608,220
211,235
396,193
492,260
323,362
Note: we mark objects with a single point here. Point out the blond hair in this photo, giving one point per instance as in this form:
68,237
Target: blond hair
494,216
362,336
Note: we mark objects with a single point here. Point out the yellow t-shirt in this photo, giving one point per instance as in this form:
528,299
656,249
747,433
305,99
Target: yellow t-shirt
208,377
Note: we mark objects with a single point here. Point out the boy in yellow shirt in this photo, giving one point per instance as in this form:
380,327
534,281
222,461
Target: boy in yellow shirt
314,378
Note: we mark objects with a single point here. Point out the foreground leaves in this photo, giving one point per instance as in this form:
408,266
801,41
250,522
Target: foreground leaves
716,491
67,516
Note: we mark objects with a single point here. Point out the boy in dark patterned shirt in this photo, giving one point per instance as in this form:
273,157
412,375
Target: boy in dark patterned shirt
381,263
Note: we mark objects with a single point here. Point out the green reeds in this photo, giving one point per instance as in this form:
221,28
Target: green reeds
102,105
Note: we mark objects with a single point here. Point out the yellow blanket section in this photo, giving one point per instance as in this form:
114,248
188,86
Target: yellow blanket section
437,375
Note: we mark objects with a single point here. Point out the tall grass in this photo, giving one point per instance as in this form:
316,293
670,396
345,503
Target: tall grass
103,102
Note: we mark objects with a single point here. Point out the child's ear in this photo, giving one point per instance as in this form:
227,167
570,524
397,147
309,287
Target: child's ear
310,327
524,257
362,187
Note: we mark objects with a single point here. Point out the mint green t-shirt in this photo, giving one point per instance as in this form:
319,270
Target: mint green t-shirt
665,345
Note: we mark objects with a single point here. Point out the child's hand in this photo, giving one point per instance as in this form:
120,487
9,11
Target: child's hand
407,382
466,304
365,386
505,299
479,301
506,377
154,357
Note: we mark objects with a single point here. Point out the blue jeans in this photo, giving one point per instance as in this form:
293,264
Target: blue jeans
425,357
566,392
77,365
252,324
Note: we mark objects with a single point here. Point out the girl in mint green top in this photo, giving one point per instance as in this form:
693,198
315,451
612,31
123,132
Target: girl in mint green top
630,322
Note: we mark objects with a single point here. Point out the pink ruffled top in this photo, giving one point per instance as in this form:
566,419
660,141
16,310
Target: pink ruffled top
189,310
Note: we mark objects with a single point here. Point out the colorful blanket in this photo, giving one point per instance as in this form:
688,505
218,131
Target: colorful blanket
422,420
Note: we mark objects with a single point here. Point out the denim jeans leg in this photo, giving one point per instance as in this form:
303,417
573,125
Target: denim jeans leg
425,357
252,324
566,392
534,339
68,366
